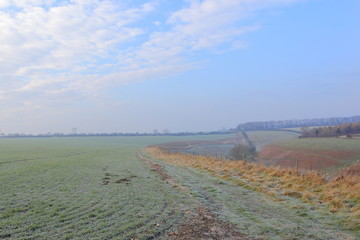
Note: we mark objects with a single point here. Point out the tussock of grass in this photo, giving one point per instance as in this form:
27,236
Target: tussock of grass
340,195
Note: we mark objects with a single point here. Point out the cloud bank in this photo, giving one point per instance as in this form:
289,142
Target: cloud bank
53,53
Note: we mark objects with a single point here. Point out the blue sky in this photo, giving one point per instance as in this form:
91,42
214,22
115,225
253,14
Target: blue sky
191,65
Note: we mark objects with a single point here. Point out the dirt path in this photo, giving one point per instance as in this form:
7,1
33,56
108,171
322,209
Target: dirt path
199,224
228,211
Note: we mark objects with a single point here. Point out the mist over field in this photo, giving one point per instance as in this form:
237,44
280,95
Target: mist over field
135,66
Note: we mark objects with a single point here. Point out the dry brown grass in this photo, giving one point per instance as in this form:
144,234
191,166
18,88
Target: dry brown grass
341,194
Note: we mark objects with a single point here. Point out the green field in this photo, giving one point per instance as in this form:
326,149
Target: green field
56,188
262,138
96,188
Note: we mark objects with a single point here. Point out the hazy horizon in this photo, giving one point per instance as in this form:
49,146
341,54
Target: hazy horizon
136,66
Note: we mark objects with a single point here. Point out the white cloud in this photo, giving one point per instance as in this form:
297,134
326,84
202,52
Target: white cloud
211,23
35,41
54,51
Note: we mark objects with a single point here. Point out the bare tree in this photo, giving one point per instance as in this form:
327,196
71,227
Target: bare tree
243,152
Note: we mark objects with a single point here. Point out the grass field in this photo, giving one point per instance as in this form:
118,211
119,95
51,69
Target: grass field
262,138
98,188
66,188
219,146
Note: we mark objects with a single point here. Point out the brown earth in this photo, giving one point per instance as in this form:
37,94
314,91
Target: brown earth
204,225
308,159
126,180
352,170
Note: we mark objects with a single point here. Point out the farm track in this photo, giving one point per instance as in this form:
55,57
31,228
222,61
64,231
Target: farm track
202,224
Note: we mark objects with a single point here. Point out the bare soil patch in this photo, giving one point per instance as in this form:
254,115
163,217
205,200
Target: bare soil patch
353,170
109,176
309,159
204,225
125,180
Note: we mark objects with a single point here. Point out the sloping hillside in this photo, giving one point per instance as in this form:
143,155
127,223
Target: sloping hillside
329,155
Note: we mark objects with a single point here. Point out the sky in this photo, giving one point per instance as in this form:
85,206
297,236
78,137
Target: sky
182,65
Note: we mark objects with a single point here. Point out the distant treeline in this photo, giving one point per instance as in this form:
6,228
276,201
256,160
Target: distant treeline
22,135
269,125
339,130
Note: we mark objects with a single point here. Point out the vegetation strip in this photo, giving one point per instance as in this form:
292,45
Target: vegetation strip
348,130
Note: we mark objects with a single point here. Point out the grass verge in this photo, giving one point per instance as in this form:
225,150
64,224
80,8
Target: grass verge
340,195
